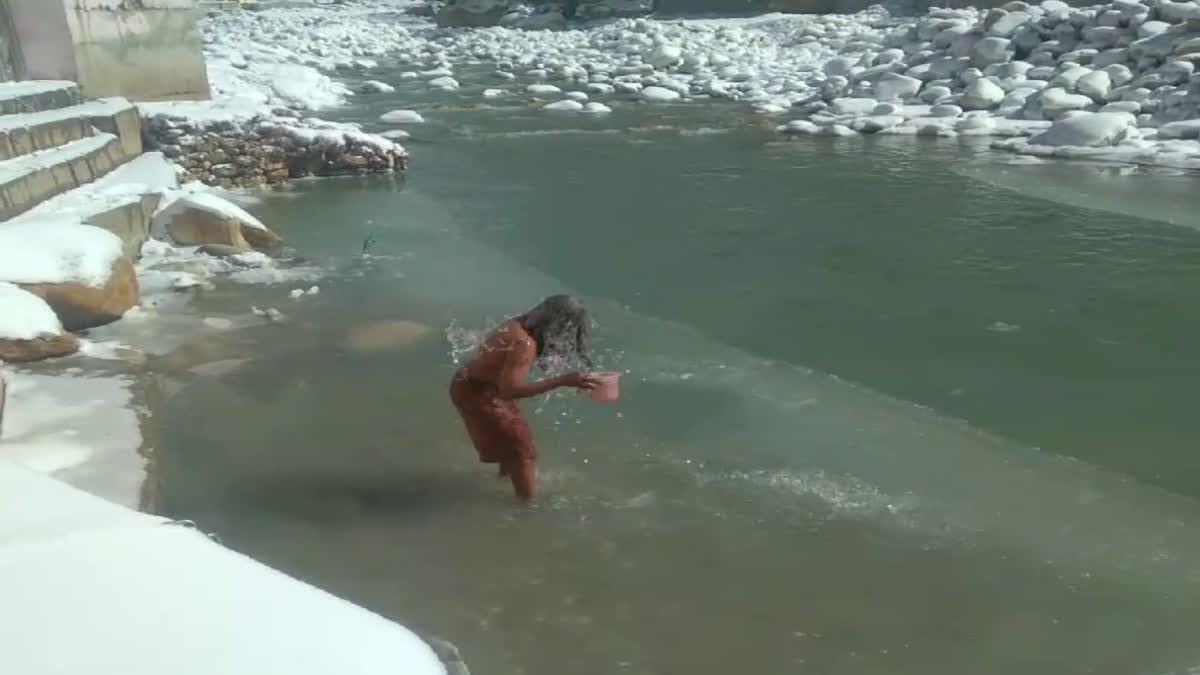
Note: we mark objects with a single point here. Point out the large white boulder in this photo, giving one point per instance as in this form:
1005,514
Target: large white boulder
565,105
853,106
982,94
402,117
1180,129
991,50
1004,26
659,94
893,86
1095,84
1090,130
1055,101
664,56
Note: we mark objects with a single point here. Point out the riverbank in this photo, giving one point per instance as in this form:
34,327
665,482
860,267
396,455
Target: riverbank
1111,82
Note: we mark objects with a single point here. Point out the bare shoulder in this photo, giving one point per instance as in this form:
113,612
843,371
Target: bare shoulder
510,336
516,338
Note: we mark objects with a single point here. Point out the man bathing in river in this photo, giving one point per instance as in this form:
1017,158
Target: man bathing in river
485,390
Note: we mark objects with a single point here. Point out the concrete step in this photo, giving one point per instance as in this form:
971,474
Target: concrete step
121,202
25,133
38,95
28,180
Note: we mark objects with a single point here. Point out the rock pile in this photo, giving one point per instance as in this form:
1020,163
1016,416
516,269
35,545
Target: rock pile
1127,66
268,151
540,16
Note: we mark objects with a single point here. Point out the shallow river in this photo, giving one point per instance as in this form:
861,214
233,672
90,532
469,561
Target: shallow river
887,410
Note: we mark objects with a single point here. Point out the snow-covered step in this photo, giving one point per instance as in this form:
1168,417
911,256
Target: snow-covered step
121,202
25,133
38,95
30,179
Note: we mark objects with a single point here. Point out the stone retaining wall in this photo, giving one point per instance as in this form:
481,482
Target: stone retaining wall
248,155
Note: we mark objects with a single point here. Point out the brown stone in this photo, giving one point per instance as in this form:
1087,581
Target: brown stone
80,306
260,237
197,227
23,351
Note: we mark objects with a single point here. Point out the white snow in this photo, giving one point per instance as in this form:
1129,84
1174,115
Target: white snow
204,200
149,173
11,90
109,581
57,252
104,107
1088,130
12,169
25,316
79,429
402,117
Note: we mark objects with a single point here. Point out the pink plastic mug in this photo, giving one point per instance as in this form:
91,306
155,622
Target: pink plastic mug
608,387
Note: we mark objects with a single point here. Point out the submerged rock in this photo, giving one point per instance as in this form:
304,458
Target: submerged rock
384,335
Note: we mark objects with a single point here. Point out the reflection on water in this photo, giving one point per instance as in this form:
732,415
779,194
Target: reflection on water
737,508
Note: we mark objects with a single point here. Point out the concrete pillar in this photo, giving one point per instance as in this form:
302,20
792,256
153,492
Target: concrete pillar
147,50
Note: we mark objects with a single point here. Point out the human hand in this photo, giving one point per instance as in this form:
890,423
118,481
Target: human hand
581,381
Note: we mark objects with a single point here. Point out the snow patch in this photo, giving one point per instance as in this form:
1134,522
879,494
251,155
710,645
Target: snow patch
57,252
25,316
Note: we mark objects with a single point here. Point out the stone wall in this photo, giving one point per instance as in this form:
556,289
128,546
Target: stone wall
145,50
267,153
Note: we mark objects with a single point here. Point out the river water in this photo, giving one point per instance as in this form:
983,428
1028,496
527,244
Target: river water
891,406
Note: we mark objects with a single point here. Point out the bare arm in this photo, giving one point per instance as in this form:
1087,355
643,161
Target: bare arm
512,384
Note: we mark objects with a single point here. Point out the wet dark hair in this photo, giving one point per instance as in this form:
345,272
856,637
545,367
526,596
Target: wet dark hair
559,325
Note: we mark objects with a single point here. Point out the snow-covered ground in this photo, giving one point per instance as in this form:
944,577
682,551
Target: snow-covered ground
1012,72
136,593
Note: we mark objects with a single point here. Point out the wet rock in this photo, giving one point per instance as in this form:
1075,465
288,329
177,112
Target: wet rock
37,349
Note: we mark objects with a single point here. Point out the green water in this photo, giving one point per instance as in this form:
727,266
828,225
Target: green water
842,357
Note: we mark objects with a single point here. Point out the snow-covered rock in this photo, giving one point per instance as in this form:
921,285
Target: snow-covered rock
991,50
1088,130
664,55
565,105
659,94
1188,129
376,87
402,117
982,94
893,86
543,89
29,329
853,106
1095,84
1055,101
